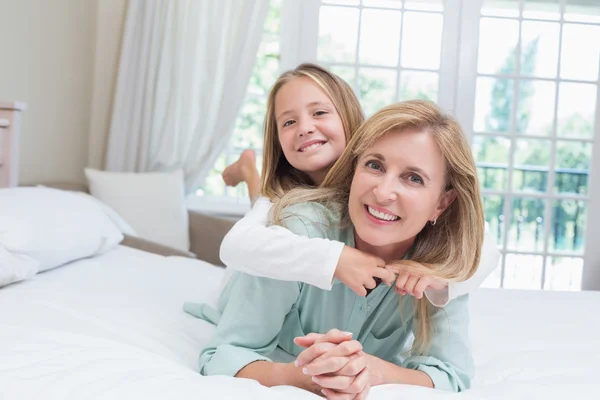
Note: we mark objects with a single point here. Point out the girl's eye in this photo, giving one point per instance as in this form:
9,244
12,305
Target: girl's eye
371,164
319,113
415,179
288,123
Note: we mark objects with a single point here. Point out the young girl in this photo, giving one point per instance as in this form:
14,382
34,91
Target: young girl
311,114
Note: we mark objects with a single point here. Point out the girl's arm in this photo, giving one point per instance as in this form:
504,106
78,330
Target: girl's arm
274,252
490,256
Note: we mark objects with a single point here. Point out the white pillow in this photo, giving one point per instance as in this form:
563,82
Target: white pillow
16,267
152,203
53,226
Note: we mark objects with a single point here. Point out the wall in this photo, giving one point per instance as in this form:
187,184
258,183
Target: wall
46,60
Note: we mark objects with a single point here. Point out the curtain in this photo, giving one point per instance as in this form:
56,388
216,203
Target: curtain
183,73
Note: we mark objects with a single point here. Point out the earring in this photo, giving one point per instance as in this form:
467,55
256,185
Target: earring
434,222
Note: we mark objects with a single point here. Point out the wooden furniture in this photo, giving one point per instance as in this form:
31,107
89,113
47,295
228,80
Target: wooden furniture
10,127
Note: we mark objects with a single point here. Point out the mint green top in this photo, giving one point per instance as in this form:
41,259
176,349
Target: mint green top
259,315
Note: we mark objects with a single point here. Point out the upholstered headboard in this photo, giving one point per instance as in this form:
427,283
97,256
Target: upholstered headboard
10,127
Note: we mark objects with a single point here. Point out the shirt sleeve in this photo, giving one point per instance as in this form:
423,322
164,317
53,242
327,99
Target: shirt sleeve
449,362
490,256
249,326
275,252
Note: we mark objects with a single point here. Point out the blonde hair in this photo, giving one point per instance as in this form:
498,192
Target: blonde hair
453,245
278,176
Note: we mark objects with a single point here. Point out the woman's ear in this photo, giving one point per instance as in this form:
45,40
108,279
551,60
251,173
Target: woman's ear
445,201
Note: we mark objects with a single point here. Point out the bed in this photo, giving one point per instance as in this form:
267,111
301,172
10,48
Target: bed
112,327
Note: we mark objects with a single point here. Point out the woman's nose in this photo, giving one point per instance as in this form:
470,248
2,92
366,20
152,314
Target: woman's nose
386,190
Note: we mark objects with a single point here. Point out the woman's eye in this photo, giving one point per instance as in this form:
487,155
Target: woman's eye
415,179
373,165
288,123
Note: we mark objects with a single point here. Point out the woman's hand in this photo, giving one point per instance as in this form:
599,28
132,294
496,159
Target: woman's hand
336,363
358,270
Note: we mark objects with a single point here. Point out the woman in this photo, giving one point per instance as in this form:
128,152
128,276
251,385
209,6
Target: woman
406,186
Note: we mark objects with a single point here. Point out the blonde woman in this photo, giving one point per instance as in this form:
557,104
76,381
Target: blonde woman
405,187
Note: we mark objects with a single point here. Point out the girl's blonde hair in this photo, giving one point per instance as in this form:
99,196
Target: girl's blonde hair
453,245
278,176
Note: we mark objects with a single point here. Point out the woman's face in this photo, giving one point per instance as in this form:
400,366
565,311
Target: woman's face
397,189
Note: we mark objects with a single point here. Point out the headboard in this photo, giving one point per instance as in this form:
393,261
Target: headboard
10,127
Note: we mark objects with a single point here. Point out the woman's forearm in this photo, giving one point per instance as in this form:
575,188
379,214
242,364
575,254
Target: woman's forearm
274,374
383,372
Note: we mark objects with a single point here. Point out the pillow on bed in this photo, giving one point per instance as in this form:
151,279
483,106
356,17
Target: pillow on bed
54,227
16,267
152,203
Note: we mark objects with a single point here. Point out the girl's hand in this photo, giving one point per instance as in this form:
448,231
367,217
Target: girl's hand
413,283
357,270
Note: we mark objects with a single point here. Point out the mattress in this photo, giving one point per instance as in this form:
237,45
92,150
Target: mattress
112,327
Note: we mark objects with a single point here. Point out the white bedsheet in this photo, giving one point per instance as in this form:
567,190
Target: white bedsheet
112,327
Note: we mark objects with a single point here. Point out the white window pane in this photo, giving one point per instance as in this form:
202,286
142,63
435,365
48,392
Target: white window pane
266,68
343,2
500,8
213,184
425,5
497,51
580,52
380,37
523,272
535,107
532,161
526,231
493,105
494,280
539,48
567,232
419,85
377,88
573,160
563,273
422,40
397,4
589,12
493,208
491,156
576,110
346,73
547,9
338,34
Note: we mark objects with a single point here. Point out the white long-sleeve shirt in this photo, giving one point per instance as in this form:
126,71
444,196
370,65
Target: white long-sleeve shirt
274,252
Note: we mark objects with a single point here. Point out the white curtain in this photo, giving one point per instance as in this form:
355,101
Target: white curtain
183,72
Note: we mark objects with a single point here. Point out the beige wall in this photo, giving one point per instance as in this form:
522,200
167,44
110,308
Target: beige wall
109,31
60,57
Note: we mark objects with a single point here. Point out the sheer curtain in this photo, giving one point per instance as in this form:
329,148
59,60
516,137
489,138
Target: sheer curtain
182,78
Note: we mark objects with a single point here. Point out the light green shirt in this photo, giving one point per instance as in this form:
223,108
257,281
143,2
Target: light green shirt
259,315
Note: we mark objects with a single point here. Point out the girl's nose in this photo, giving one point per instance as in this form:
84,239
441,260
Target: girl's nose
306,128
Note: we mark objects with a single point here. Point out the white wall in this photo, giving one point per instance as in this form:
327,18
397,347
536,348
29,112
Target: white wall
46,60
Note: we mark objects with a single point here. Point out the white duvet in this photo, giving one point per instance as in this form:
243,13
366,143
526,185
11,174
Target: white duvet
112,327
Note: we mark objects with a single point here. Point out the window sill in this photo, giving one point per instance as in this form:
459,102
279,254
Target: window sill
218,206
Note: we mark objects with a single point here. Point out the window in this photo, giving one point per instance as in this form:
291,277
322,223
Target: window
532,117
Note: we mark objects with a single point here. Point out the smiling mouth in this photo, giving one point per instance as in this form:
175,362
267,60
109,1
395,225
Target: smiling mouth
381,216
311,147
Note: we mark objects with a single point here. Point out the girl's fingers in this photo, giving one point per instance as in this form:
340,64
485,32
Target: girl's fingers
345,349
326,366
410,284
363,395
401,281
420,287
336,382
355,364
333,395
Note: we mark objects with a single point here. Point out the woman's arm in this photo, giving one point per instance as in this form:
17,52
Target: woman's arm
490,256
275,252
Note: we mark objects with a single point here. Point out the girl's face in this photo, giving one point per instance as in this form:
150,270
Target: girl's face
310,129
396,190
